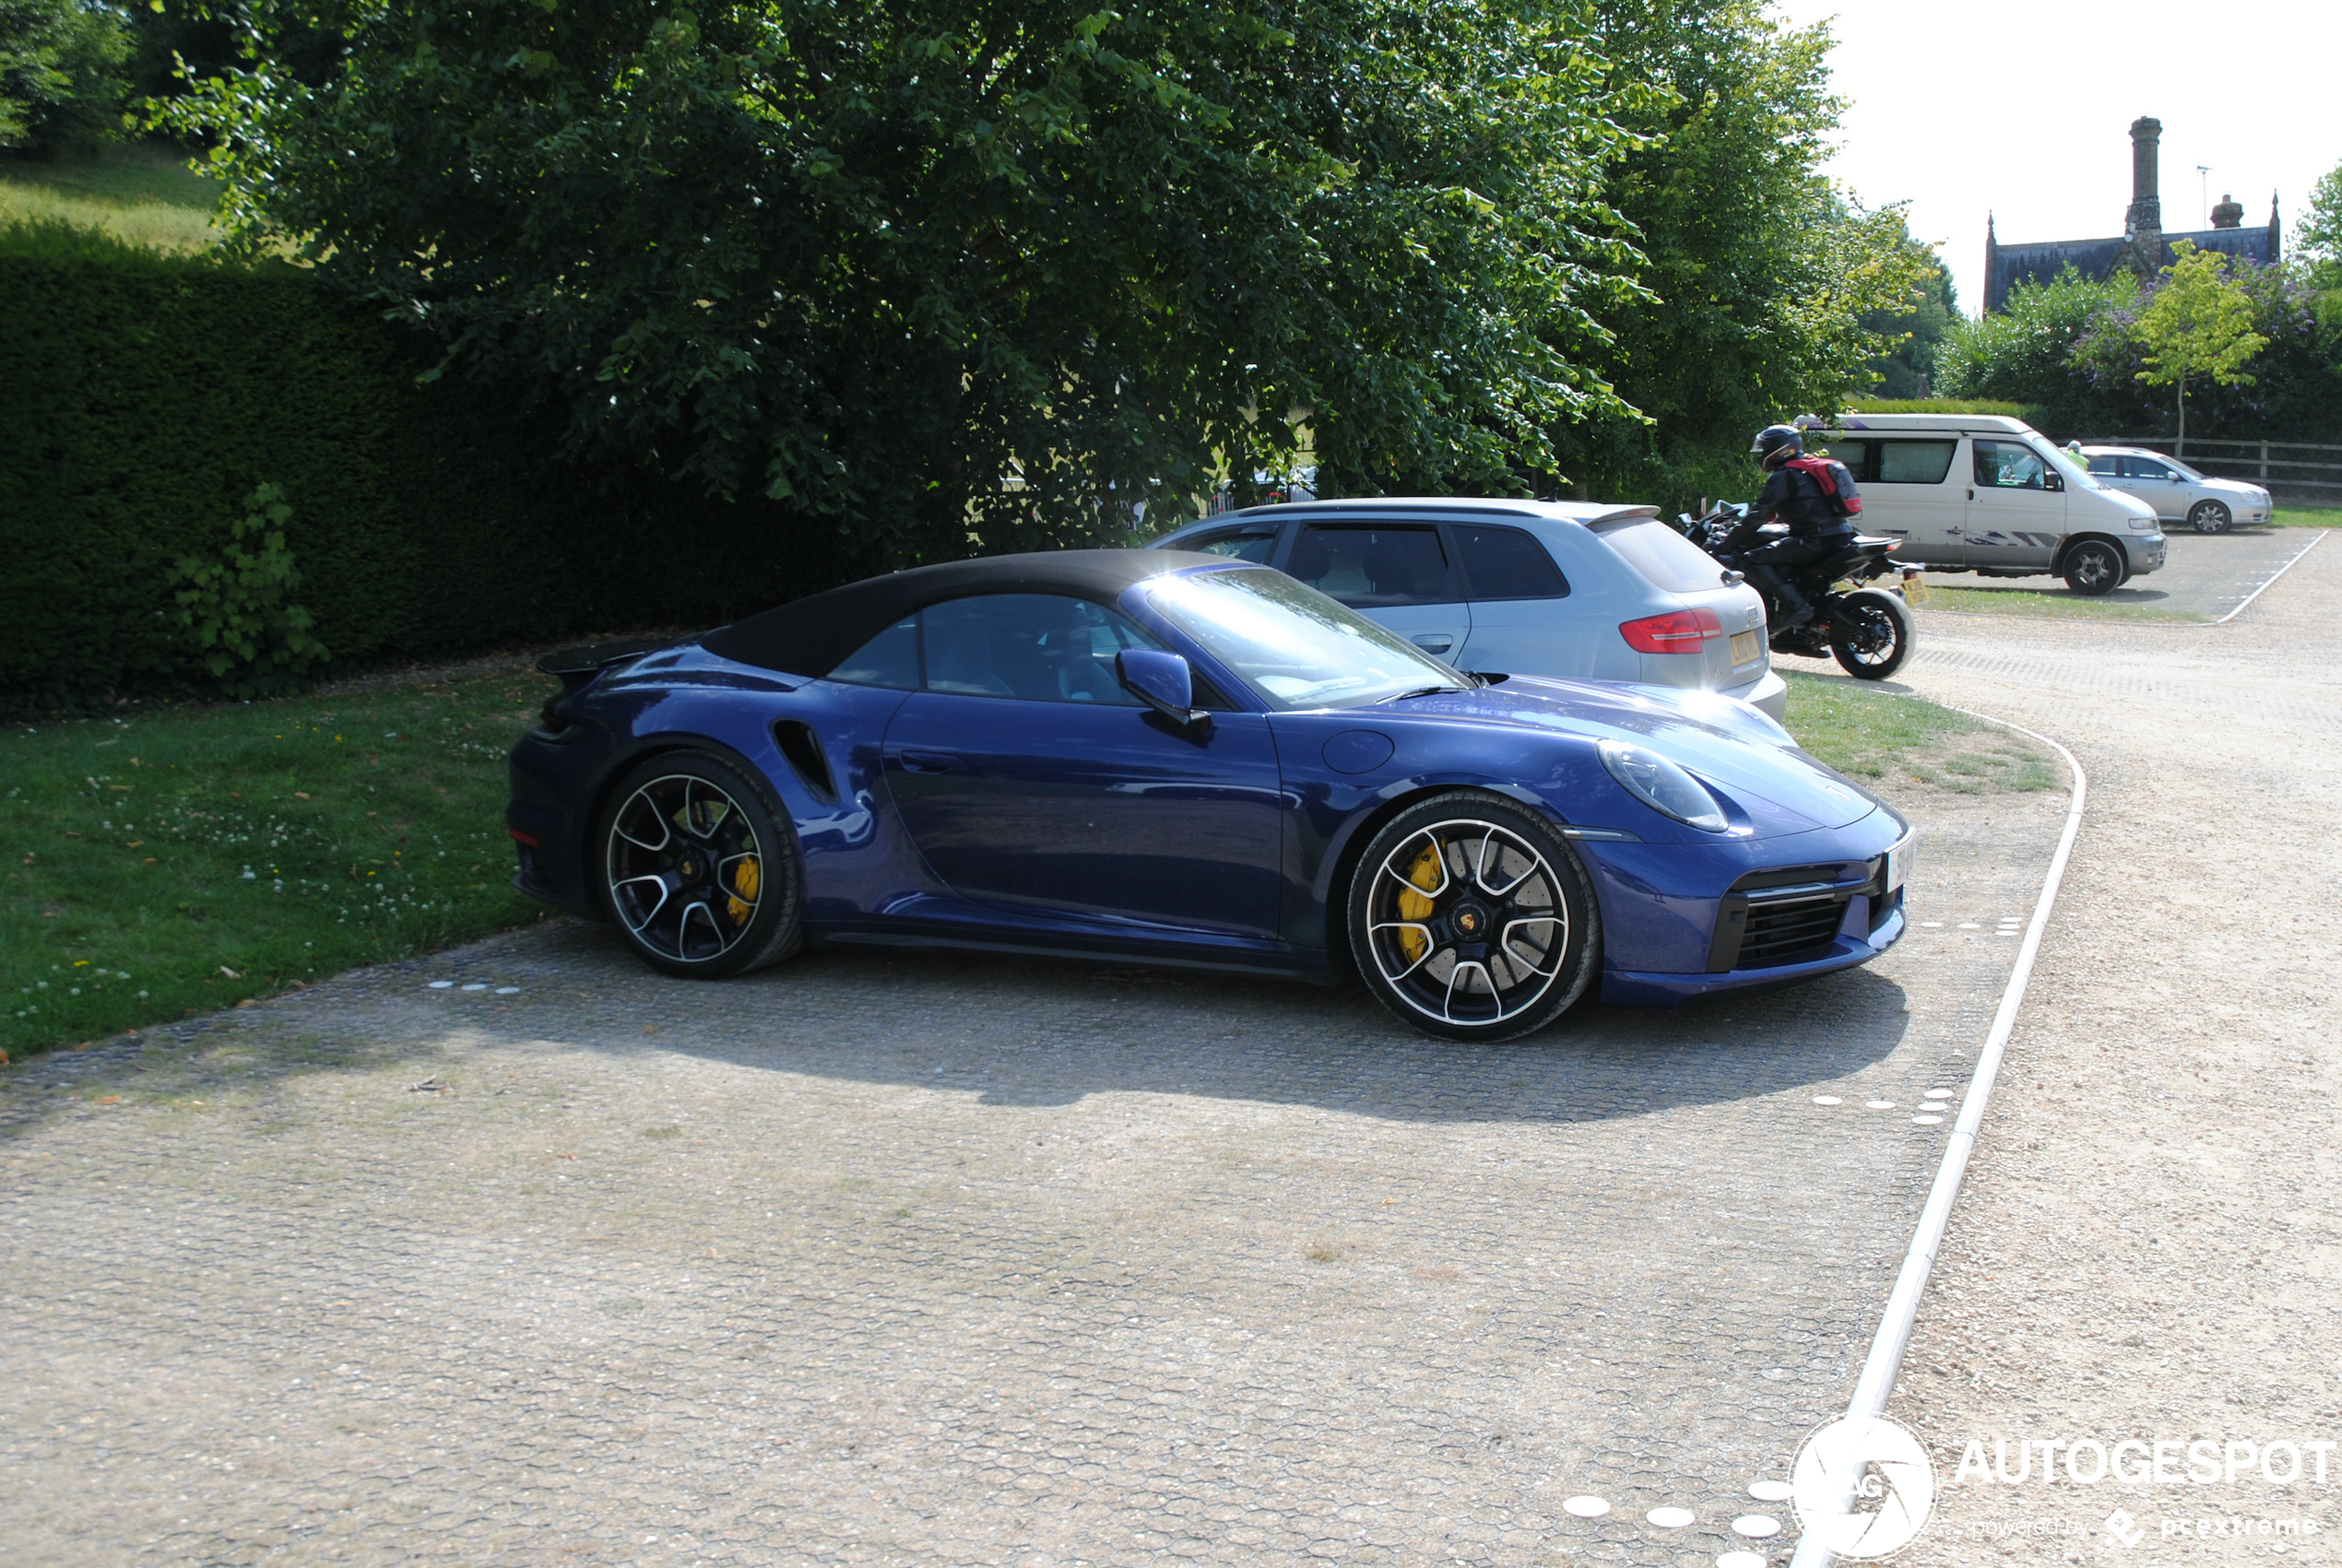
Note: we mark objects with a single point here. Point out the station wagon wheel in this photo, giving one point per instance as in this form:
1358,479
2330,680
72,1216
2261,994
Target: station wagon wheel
697,874
2208,517
1470,917
2093,568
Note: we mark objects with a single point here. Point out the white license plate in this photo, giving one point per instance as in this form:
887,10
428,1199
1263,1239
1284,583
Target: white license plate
1746,646
1898,864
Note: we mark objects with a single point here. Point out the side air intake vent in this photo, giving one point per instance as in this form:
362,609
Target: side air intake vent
803,749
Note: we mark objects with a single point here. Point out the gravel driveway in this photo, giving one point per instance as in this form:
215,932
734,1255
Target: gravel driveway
2205,575
948,1259
2149,1245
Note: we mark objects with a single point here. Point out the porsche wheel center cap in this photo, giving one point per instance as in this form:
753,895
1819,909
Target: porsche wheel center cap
1471,921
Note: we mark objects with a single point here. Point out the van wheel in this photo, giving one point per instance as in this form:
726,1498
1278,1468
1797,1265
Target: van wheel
2094,567
2208,517
1870,634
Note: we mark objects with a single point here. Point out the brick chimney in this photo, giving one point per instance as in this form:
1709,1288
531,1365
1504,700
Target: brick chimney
2146,185
2228,213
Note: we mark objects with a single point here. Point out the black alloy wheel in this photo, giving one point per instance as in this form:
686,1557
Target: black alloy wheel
1472,918
1872,633
2209,518
2094,567
697,872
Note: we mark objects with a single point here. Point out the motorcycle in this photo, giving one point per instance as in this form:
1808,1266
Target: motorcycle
1868,631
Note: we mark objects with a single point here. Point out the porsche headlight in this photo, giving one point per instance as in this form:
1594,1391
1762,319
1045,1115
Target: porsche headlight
1662,786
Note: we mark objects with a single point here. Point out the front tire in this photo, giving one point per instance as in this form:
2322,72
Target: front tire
1878,637
2209,518
695,869
2094,567
1472,918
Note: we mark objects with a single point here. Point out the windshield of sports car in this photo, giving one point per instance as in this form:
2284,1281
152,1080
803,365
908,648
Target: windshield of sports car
1293,645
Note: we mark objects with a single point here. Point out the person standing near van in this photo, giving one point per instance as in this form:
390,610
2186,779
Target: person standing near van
1816,497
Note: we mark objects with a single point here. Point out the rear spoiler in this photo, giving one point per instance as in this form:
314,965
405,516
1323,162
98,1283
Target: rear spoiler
1621,517
576,667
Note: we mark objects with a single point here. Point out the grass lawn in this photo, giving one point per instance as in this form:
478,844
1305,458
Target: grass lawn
2302,514
1884,737
177,861
2018,601
137,192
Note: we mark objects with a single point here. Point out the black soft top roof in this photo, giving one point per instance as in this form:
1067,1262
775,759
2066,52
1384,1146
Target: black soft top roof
810,636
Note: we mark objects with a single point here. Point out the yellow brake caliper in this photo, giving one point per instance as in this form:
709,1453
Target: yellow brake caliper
745,881
1424,874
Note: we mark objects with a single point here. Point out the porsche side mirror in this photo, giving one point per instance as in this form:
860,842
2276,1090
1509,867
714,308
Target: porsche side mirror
1163,682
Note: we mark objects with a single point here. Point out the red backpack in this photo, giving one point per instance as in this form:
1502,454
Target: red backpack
1837,485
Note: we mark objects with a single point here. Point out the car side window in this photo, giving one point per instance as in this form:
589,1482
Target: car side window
891,658
1041,647
2144,468
1507,563
1912,463
1373,568
2005,465
2106,464
1255,545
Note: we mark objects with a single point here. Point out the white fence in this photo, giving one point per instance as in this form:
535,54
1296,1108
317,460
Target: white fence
2309,472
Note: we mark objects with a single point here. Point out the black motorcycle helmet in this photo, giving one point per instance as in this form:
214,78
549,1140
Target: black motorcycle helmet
1776,444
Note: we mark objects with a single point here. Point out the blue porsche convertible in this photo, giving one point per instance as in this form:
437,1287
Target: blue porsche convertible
1186,759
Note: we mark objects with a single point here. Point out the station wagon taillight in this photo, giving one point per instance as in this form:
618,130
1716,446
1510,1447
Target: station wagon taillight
1677,631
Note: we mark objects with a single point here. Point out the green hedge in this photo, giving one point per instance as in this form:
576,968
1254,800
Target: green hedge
145,397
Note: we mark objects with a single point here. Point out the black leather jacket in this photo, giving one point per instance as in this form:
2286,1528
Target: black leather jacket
1796,500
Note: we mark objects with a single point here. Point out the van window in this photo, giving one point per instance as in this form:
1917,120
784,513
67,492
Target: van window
1507,563
1894,462
1667,560
2008,465
1913,462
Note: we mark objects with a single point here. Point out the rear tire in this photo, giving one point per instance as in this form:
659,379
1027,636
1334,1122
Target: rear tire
2094,567
695,867
1473,919
2209,518
1884,632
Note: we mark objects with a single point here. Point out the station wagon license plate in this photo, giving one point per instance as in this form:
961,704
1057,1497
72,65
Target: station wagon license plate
1747,645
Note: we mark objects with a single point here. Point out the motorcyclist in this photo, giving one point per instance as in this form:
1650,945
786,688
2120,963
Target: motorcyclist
1816,531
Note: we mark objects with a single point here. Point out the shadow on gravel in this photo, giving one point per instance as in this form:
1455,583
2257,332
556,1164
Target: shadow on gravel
1017,1032
1035,1032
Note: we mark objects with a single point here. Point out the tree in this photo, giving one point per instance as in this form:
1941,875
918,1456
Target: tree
1919,331
61,72
2318,236
2197,321
968,273
1760,276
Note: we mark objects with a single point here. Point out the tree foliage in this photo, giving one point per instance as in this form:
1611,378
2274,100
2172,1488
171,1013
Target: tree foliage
969,273
61,72
1768,293
2197,324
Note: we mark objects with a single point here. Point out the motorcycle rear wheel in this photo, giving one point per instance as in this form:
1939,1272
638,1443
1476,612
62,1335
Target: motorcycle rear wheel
1877,635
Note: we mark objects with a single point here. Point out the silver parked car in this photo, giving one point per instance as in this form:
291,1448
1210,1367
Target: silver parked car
2178,492
1554,588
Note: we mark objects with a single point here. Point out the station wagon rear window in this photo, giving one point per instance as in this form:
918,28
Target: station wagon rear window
1667,561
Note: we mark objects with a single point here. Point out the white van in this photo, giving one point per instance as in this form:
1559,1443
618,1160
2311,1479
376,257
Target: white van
1989,494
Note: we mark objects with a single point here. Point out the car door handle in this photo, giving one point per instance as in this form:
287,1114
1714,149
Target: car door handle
1433,642
933,762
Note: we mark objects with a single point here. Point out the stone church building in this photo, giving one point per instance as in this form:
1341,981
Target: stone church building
2144,247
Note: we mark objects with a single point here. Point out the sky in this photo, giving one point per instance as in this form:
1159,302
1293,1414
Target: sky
2024,111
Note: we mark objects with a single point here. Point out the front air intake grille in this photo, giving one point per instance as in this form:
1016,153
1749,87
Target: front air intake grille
1782,930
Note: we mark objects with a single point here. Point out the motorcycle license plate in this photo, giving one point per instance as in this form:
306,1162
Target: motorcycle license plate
1747,645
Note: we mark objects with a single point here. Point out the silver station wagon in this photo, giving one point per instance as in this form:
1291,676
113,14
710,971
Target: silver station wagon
1552,588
